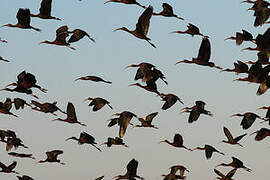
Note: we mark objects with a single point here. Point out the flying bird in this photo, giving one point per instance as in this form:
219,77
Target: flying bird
192,30
239,67
240,37
24,177
236,163
2,59
261,134
46,107
21,155
177,142
131,171
77,35
114,141
147,122
23,17
209,150
248,119
93,78
142,26
228,176
167,11
230,138
52,157
170,100
98,103
126,2
8,169
45,11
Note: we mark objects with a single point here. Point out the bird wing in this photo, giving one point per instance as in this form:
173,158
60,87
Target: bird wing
2,166
62,34
247,121
8,104
123,122
143,23
23,17
88,137
237,161
12,165
178,139
247,35
150,117
53,154
139,74
98,103
21,77
77,35
239,137
9,145
239,38
267,114
169,101
262,14
231,173
205,50
209,151
71,111
132,167
263,133
113,122
45,8
30,78
194,115
228,134
219,173
19,103
167,8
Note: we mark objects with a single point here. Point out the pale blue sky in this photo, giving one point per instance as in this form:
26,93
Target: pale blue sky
56,68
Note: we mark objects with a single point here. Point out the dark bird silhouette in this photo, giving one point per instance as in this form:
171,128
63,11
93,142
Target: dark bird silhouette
60,40
236,163
230,138
196,111
167,11
172,175
6,134
170,100
142,26
123,121
151,86
85,138
3,41
99,178
23,17
114,141
203,55
46,107
192,30
14,142
131,171
8,169
21,155
267,116
209,150
239,67
93,78
71,115
147,122
6,106
78,34
2,59
27,81
126,2
177,142
52,157
248,119
19,103
261,134
240,37
45,11
261,12
98,103
24,177
228,176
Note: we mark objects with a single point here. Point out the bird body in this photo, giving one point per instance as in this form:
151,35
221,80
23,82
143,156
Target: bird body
147,122
170,100
93,78
85,138
115,141
167,11
177,142
209,150
52,157
8,169
131,171
45,11
21,155
230,138
236,163
98,103
248,119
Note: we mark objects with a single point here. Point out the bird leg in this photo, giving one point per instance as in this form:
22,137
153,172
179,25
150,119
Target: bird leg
70,47
151,43
96,147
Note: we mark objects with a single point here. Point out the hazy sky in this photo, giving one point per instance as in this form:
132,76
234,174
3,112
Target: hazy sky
56,68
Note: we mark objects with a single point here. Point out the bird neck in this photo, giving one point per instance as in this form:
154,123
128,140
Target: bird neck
34,15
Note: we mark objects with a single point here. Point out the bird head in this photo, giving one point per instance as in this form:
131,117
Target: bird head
44,42
121,28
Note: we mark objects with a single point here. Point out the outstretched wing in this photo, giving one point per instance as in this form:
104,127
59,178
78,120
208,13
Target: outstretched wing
239,137
150,117
13,165
71,111
23,17
45,8
132,168
228,134
143,23
205,50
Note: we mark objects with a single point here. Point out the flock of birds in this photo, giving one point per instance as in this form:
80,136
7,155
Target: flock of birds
149,74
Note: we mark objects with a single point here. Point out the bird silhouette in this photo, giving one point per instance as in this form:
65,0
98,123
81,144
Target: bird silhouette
126,2
98,103
2,59
147,122
71,115
228,176
240,37
19,103
248,119
177,142
167,11
24,177
230,138
45,11
203,55
93,78
21,155
23,17
131,171
8,169
85,138
261,134
114,141
239,67
14,142
236,163
209,150
52,157
170,100
6,106
192,30
142,26
46,107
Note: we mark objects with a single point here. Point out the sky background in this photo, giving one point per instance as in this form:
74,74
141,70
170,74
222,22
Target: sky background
56,68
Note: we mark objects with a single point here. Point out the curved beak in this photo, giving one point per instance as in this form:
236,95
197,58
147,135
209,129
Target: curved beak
107,2
117,29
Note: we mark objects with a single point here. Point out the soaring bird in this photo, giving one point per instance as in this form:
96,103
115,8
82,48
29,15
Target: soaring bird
131,171
98,103
236,163
24,177
123,121
261,12
167,11
60,40
52,157
21,155
14,142
46,107
173,176
230,138
114,141
248,119
126,2
93,78
203,55
150,86
78,34
209,150
177,142
71,115
170,100
27,81
228,176
23,17
240,37
147,122
85,138
45,10
239,67
8,169
142,26
192,30
261,134
196,111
